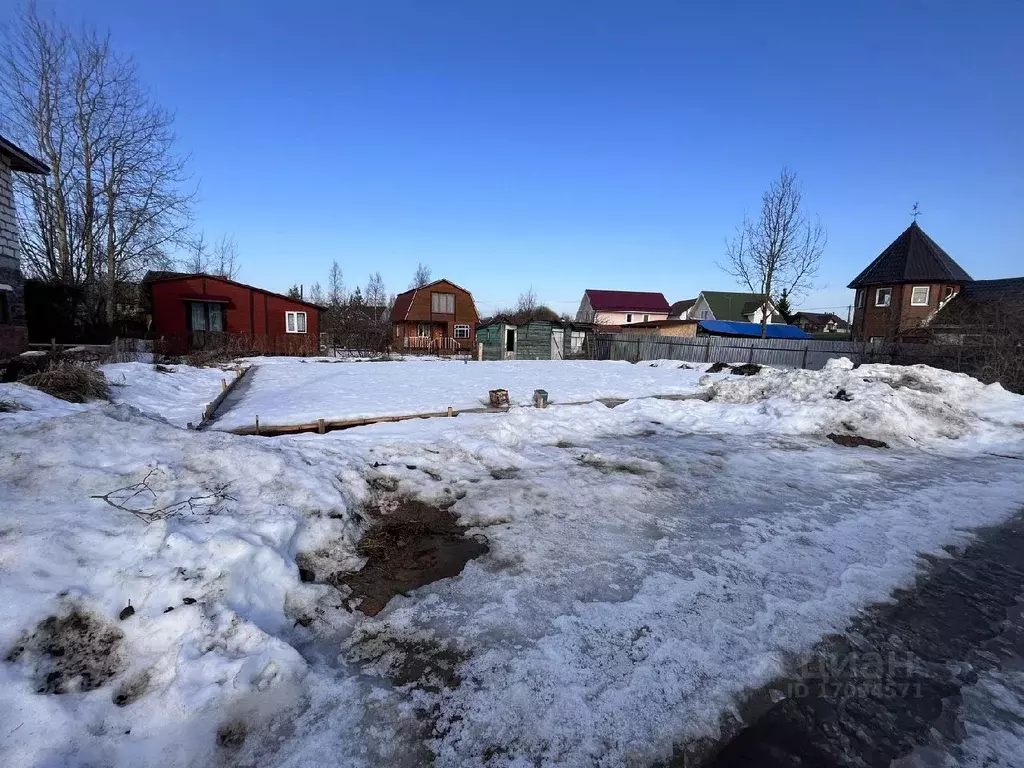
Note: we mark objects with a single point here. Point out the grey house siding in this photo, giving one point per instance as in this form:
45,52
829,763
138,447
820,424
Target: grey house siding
13,333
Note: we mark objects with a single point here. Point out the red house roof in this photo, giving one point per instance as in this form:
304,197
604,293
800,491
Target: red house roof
162,277
627,301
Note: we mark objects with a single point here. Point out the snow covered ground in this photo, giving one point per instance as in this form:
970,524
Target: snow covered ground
178,393
649,566
299,391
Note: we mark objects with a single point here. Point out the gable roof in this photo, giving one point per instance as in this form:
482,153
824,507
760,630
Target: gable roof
22,160
822,318
626,301
913,257
168,277
403,301
733,305
677,309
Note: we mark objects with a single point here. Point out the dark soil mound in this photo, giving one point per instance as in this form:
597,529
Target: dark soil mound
855,441
77,652
717,368
748,369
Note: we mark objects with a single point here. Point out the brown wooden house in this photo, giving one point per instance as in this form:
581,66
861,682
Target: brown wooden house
904,287
436,317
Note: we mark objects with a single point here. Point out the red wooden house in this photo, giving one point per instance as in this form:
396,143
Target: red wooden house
200,311
436,317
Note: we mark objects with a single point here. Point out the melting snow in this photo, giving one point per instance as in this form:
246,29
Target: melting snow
648,564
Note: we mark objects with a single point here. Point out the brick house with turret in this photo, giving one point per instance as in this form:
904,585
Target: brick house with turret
904,287
13,329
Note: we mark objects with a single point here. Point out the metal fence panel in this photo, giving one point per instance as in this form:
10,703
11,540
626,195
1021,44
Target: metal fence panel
812,354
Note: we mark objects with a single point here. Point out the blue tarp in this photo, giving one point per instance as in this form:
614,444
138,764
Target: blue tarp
775,330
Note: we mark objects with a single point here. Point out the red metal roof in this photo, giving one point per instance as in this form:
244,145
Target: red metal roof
170,277
627,301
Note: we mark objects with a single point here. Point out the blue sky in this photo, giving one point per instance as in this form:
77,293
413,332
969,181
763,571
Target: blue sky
573,145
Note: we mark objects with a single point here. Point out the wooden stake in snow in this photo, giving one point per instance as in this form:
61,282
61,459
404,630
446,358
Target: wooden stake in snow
451,411
321,426
257,424
223,385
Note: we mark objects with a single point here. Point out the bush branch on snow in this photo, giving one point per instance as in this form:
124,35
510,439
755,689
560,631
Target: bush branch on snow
123,498
72,381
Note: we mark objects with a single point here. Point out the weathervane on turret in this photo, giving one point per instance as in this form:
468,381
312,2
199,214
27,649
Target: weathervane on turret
915,212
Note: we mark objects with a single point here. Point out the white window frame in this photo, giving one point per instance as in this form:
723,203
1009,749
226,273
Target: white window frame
291,322
888,297
423,330
647,318
439,300
629,317
704,313
927,295
858,300
461,331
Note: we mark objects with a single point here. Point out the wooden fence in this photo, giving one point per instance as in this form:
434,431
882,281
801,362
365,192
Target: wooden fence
783,353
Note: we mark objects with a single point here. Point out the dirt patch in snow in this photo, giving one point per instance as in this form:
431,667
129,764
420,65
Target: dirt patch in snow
747,369
855,441
409,544
76,652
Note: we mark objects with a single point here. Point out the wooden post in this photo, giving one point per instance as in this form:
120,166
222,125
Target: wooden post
223,384
480,351
451,411
321,426
803,363
750,357
257,424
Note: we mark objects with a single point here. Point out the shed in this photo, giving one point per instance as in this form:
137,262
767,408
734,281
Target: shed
504,339
200,311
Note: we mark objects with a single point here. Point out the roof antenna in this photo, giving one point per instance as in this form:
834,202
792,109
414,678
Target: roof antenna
915,212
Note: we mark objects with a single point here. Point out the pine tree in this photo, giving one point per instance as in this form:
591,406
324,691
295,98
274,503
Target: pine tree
783,308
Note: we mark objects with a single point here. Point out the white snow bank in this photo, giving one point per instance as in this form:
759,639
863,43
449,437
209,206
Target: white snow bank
178,393
288,391
888,402
23,404
254,504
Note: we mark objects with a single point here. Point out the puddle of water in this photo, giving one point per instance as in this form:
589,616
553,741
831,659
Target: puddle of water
409,545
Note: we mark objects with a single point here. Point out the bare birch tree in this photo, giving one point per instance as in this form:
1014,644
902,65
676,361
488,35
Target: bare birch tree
779,252
220,259
421,277
115,201
335,286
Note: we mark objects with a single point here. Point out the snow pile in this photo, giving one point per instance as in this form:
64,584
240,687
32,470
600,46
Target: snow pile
201,542
887,402
177,393
21,404
295,391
